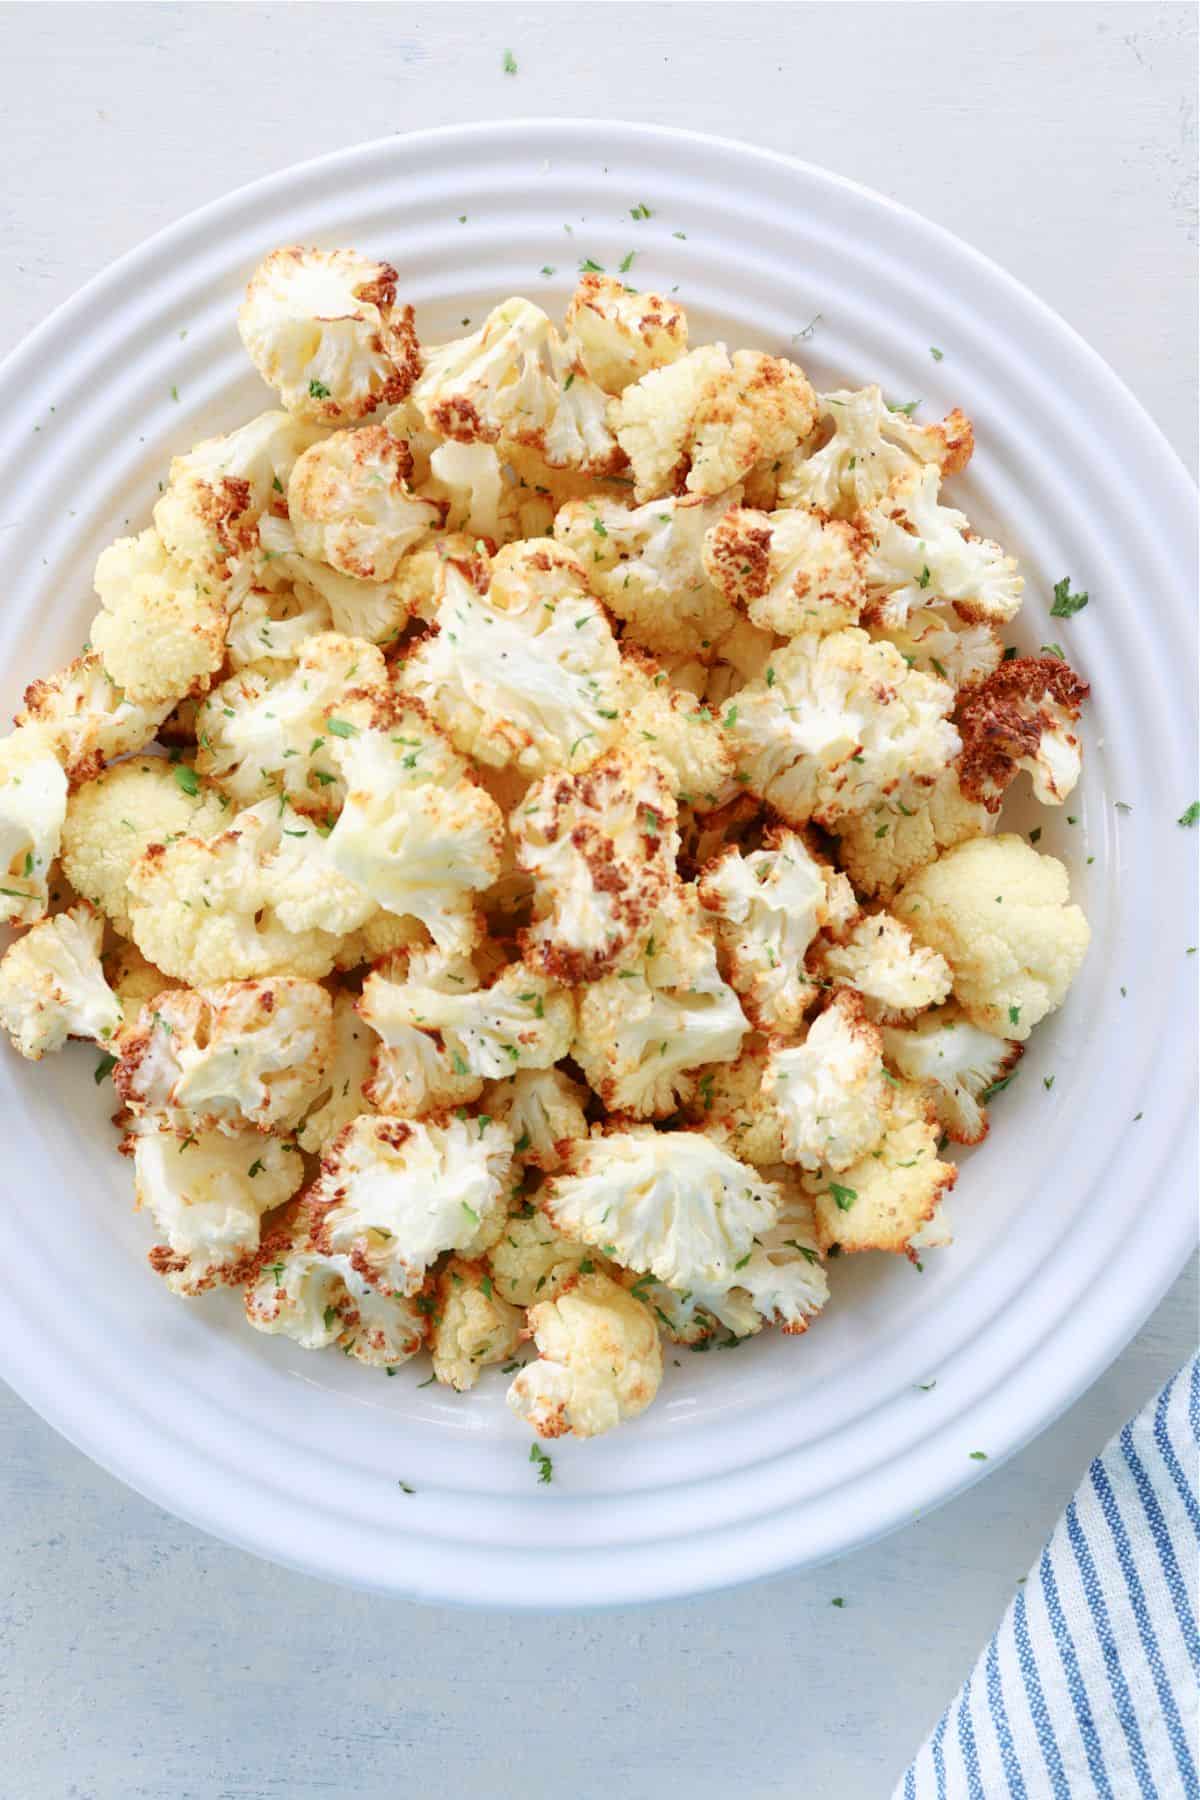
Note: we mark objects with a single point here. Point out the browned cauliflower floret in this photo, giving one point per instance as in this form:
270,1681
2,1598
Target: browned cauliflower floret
599,1360
732,1104
836,723
621,334
791,571
862,447
646,563
161,627
831,1090
86,718
543,1109
703,422
472,1326
942,644
881,847
880,961
324,329
111,821
957,1066
1022,717
891,1199
601,850
350,504
666,723
921,555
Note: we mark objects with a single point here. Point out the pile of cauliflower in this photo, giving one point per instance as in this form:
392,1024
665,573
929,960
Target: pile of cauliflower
522,832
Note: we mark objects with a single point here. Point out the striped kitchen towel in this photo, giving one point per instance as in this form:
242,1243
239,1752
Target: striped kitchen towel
1089,1688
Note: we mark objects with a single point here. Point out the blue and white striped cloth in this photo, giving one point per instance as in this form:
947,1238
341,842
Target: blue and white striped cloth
1088,1691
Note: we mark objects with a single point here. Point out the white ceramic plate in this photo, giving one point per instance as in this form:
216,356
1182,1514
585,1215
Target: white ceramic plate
1071,1223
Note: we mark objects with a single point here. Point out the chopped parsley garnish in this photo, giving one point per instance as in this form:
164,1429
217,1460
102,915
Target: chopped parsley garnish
403,1485
1190,814
542,1462
187,778
843,1197
640,211
908,409
1047,1082
837,1600
979,1456
1014,1015
318,390
341,728
510,63
1066,604
256,1167
936,354
547,270
924,577
589,267
104,1067
997,1087
626,263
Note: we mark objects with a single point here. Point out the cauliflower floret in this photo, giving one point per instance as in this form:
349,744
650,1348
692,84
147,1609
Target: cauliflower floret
868,448
208,516
393,1194
340,1097
263,733
891,1199
942,644
881,847
831,1090
1021,717
543,1109
599,1361
375,610
472,1326
999,914
52,985
835,723
646,562
532,1261
516,381
134,981
665,723
769,906
416,833
33,808
702,423
791,571
601,849
673,1203
220,1058
468,479
324,329
643,1031
161,627
784,1279
957,1066
442,1035
87,719
317,1300
276,620
350,504
528,673
731,1105
261,898
623,335
207,1194
881,962
921,557
111,821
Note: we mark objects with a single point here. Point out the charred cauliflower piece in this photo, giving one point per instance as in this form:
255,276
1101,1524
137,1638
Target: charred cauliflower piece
645,1030
920,556
601,850
393,1194
207,1193
942,644
831,1090
999,913
955,1064
207,518
836,723
621,334
792,571
350,504
705,421
33,809
868,447
325,330
221,1058
879,960
472,1326
52,985
528,673
883,846
891,1199
599,1361
1022,717
86,718
769,907
516,381
647,564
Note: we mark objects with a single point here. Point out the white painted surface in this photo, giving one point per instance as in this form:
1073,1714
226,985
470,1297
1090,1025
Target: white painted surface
138,1659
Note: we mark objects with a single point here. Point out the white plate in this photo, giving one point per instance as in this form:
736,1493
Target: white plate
1071,1223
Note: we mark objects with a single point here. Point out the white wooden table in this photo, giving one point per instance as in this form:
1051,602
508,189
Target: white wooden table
138,1659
